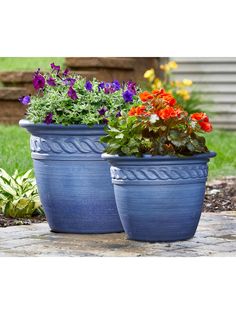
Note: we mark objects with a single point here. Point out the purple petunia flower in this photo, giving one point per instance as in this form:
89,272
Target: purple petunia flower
49,118
101,86
51,81
102,111
107,88
25,100
38,81
128,96
105,121
118,114
116,85
89,86
55,67
66,72
69,81
131,86
72,93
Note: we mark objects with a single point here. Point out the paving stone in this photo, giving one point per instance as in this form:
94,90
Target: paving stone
216,236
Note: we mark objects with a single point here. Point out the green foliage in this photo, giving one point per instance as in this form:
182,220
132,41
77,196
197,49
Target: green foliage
18,195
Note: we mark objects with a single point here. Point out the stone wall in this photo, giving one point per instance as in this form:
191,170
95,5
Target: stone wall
108,69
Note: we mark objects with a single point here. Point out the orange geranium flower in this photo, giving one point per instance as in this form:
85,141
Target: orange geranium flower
169,112
206,126
158,92
202,120
138,111
199,116
165,96
145,96
132,111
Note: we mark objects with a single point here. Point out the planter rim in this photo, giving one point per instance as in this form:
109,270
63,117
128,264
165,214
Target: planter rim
24,123
148,158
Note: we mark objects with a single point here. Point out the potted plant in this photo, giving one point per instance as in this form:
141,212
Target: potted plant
158,167
66,119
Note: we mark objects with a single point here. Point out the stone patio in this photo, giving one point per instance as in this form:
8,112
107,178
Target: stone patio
216,236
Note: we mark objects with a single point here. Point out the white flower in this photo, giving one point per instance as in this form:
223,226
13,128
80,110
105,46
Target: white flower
193,123
153,118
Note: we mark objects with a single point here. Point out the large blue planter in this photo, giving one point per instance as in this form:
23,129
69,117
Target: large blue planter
159,198
73,180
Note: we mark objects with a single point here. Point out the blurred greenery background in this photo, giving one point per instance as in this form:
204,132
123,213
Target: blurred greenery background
28,64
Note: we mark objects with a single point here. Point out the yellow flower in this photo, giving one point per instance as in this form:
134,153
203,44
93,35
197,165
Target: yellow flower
178,84
187,82
157,84
186,97
172,65
149,75
184,93
165,67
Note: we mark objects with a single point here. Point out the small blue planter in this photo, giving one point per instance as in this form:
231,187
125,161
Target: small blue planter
159,198
73,180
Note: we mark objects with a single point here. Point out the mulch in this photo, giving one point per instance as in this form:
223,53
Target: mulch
220,196
7,222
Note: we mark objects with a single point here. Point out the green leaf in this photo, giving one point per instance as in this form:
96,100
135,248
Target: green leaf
7,188
126,150
112,129
190,147
19,197
5,175
121,135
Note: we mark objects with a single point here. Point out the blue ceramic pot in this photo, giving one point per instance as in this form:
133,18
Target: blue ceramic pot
159,198
73,180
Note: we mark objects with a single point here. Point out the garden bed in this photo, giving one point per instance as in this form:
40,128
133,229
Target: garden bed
7,222
220,196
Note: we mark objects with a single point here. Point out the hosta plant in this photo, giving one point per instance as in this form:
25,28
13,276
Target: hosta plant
159,126
18,195
65,98
184,91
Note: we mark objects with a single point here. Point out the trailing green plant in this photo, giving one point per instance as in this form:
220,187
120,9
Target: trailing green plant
64,98
18,195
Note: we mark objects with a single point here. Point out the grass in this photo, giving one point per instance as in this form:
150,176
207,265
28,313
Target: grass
29,64
15,153
224,144
14,149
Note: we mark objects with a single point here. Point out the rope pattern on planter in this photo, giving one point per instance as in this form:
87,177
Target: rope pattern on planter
67,145
160,173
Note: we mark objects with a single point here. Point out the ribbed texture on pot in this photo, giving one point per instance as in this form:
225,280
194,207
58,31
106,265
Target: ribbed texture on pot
159,198
73,181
